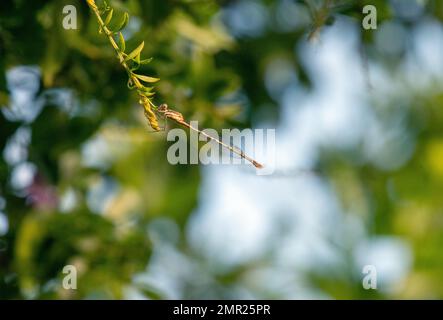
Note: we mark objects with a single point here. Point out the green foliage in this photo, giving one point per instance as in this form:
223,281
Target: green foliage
130,62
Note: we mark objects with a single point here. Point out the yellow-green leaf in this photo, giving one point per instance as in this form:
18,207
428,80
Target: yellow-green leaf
123,22
122,42
146,61
136,52
146,91
109,17
146,78
137,59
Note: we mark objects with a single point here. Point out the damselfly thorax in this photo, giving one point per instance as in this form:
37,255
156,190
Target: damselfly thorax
170,114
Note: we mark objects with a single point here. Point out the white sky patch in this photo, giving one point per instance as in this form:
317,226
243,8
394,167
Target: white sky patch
339,104
23,84
96,153
246,18
23,175
230,209
4,224
68,201
100,194
428,49
16,149
391,257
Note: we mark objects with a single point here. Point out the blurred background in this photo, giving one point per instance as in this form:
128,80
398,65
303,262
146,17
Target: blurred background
359,148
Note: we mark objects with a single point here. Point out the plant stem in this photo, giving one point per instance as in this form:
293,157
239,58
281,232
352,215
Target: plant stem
145,101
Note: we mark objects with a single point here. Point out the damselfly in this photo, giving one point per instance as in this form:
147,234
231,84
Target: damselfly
178,118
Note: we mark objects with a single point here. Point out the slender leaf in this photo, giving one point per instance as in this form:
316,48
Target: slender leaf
136,52
123,22
122,42
109,17
137,59
145,61
146,91
146,78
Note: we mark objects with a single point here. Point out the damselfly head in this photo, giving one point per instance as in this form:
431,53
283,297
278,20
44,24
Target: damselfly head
162,108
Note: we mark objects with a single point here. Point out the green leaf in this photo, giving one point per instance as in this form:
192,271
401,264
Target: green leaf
123,22
146,91
136,52
109,17
146,78
145,61
122,42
